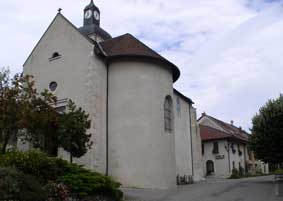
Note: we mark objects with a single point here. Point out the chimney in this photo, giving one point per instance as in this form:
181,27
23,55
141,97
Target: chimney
203,114
232,122
240,128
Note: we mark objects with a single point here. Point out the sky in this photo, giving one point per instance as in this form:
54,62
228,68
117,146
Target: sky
229,51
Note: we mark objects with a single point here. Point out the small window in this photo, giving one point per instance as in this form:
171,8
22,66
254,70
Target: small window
202,149
168,114
53,86
54,56
215,148
233,148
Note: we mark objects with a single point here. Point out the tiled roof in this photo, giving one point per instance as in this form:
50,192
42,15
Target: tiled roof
128,46
232,131
208,133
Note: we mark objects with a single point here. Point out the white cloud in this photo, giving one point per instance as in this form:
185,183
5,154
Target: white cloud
228,50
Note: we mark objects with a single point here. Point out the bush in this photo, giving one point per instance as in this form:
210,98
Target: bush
56,173
88,183
36,163
14,185
235,174
241,171
279,171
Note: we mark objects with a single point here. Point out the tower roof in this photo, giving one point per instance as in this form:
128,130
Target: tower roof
126,46
87,30
91,5
92,22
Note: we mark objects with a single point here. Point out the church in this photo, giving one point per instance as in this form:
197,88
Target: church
144,132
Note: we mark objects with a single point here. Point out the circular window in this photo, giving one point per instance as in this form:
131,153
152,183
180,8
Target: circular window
53,86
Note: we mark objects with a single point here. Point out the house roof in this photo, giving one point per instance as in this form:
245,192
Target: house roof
209,133
232,131
183,96
127,46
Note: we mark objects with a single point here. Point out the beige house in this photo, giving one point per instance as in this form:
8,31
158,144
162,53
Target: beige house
225,147
144,132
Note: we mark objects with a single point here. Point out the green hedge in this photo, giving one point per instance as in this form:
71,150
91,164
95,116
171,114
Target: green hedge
14,185
78,180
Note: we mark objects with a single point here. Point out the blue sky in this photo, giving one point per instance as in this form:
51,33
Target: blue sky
229,51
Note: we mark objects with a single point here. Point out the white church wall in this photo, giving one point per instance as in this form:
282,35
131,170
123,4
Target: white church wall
182,137
141,154
197,150
80,76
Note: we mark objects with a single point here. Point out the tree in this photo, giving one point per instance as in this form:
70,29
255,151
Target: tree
31,116
41,123
73,126
267,132
10,107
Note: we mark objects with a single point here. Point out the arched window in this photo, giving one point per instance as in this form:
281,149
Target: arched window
168,114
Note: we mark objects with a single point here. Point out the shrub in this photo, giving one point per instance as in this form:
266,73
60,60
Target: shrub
279,171
241,171
235,174
14,185
35,163
57,174
88,183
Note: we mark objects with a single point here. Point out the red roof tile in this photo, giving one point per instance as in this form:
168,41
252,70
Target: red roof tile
208,133
232,131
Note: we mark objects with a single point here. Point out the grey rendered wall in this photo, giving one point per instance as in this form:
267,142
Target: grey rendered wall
141,154
197,150
80,75
183,137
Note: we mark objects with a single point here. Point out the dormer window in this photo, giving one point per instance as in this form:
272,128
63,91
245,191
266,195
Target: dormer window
54,56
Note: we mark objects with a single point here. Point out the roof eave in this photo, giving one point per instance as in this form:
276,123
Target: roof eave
175,71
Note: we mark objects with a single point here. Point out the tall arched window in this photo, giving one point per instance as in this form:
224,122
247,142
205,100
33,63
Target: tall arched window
168,114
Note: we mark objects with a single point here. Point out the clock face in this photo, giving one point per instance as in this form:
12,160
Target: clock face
96,15
88,14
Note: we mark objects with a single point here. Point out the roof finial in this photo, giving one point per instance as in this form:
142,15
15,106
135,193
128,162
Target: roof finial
59,10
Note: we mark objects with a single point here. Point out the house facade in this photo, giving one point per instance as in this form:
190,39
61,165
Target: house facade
127,89
225,147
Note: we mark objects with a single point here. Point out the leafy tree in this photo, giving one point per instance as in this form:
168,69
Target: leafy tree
11,103
32,117
267,132
73,126
41,123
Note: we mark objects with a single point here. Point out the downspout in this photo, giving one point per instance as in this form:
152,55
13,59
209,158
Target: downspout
192,155
107,134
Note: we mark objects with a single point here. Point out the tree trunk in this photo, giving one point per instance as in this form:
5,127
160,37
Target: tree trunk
71,158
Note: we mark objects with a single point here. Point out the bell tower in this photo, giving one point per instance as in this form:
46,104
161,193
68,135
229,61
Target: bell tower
91,27
91,15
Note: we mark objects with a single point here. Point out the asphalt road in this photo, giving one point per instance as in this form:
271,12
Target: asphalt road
248,189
